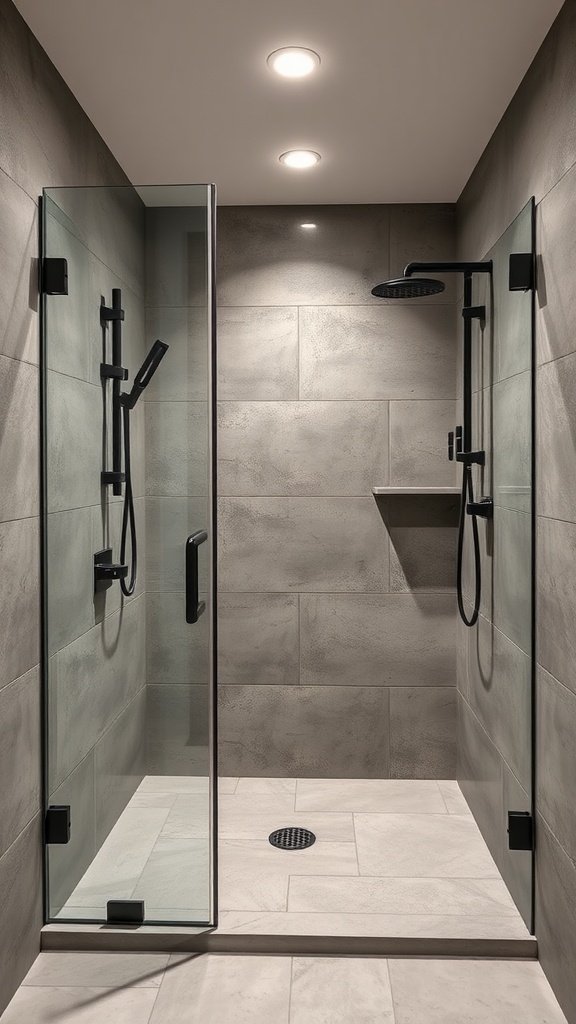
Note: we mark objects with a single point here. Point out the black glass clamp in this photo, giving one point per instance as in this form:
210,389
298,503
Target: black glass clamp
474,313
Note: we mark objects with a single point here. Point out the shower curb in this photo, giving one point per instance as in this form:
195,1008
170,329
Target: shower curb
148,939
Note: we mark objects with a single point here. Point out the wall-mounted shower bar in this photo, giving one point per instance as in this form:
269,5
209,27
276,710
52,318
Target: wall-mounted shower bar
115,371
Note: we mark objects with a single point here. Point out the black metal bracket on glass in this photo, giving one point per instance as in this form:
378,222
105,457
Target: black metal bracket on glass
105,571
520,830
194,607
521,273
54,275
125,912
115,372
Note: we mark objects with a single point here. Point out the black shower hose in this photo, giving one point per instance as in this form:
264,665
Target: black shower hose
128,517
468,494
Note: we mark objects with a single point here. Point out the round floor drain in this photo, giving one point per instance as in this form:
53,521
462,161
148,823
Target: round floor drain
292,838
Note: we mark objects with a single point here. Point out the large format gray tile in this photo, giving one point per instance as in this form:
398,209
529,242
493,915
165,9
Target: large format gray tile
512,449
177,443
333,731
449,991
402,352
67,862
266,258
71,600
258,639
382,796
423,540
556,914
119,764
74,439
483,897
257,987
176,261
480,777
21,902
556,758
302,544
19,755
18,280
425,232
123,1005
511,310
341,991
258,353
254,875
556,390
176,652
72,322
169,522
178,729
184,373
422,732
91,681
557,599
418,443
499,691
300,448
413,925
19,600
422,846
516,866
102,970
556,253
513,575
19,399
375,640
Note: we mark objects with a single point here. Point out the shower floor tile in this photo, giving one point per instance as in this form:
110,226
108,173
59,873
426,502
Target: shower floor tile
392,858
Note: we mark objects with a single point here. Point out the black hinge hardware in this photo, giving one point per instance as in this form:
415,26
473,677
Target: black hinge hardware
57,825
521,272
125,912
520,830
54,277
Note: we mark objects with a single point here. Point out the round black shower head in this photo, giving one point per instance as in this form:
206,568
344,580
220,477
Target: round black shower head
408,288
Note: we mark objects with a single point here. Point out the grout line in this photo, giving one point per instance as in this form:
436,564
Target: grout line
290,989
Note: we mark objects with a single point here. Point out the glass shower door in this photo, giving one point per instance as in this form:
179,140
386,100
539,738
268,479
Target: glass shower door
129,678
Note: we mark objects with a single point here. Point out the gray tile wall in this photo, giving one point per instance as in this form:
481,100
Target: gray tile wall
336,631
533,152
177,491
45,139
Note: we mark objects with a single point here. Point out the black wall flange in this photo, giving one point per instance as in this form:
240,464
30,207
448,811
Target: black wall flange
106,571
471,458
110,372
110,313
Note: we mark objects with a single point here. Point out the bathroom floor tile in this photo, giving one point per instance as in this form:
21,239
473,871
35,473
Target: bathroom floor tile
99,970
453,797
401,796
340,991
422,845
68,1005
424,896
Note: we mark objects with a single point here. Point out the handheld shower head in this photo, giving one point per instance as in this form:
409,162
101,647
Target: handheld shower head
145,374
408,288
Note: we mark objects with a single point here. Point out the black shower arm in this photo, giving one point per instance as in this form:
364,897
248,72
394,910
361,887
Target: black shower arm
482,267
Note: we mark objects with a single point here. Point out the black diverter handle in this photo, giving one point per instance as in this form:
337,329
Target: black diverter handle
194,607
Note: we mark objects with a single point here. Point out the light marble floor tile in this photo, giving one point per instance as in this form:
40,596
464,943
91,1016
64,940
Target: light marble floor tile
269,786
149,799
240,804
189,817
331,990
453,797
400,796
256,824
422,845
254,876
174,784
119,863
35,1005
176,877
99,970
227,785
474,991
390,925
225,990
486,897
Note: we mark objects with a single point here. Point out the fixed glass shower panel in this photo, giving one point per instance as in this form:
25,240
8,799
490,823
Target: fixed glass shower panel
497,722
128,553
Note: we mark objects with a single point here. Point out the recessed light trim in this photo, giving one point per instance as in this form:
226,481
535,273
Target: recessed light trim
293,61
308,226
299,159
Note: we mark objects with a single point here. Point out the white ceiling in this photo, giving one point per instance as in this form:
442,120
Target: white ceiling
405,100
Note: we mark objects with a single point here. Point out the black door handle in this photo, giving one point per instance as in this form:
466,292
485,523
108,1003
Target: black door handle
194,607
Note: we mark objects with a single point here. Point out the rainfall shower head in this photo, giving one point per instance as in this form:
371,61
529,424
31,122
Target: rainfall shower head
408,288
145,374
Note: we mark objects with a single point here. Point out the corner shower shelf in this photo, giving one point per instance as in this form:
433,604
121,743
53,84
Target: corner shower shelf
380,491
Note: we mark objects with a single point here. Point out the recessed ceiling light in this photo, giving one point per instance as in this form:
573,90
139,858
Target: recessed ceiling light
293,61
299,158
308,227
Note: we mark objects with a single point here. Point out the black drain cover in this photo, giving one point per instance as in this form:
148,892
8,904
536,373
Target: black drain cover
292,838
